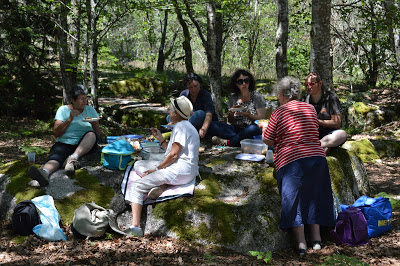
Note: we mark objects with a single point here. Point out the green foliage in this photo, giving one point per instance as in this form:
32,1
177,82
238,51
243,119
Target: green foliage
34,149
395,203
265,256
338,259
143,119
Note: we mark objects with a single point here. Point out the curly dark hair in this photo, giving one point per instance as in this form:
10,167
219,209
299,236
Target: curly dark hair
234,88
77,90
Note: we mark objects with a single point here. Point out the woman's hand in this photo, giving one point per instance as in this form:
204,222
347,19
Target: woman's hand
149,172
157,134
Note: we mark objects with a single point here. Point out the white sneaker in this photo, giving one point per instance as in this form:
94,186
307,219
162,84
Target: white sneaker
70,164
219,141
154,193
133,230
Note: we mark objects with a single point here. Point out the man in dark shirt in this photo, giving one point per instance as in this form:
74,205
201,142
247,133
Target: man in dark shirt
329,111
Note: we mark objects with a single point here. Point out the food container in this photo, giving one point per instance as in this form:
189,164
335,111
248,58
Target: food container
112,138
159,156
151,146
253,146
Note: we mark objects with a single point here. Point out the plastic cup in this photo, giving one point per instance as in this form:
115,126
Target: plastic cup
31,157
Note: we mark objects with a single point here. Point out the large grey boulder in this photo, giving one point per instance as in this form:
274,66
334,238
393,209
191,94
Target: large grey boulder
236,203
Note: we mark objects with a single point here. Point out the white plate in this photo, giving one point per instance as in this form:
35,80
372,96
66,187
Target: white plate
237,109
91,119
250,157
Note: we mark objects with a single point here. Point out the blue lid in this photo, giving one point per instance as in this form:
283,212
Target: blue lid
133,136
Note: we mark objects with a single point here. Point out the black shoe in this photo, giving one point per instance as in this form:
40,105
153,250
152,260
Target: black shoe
301,252
39,175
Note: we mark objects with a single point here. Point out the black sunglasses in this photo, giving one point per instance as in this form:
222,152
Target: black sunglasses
241,81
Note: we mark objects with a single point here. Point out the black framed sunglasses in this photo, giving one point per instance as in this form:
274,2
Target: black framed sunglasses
241,81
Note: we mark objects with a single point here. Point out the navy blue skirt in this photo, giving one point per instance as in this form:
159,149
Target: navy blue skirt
306,193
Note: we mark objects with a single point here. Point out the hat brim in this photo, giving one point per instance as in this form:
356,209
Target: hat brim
177,110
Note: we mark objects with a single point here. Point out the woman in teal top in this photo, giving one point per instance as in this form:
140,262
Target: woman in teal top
75,136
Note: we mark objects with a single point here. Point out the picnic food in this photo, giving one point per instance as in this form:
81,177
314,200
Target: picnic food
263,121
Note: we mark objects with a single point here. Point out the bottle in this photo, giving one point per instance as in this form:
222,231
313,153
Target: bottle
269,156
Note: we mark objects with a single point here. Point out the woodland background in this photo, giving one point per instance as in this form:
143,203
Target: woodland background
46,46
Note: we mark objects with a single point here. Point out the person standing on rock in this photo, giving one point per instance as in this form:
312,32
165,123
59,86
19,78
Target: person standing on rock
329,111
75,136
203,105
180,164
302,170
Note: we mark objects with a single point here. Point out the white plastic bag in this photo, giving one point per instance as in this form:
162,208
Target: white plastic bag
49,229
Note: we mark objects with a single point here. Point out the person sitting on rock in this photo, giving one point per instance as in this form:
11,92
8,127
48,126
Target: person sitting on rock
203,105
246,105
75,137
180,164
329,112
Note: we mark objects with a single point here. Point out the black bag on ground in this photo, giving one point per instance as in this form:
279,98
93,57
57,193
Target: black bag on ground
25,217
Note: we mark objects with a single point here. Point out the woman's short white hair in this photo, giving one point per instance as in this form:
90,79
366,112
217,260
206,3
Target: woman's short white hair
290,88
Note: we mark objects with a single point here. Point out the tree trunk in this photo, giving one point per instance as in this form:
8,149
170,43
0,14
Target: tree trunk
320,54
161,54
391,11
93,51
186,42
66,55
281,39
253,36
214,51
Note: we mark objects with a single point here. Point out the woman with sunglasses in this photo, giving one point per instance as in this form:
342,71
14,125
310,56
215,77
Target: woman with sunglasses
245,106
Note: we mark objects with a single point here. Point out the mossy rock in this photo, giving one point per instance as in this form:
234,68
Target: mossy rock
362,108
387,148
141,88
143,119
236,204
19,187
348,175
363,148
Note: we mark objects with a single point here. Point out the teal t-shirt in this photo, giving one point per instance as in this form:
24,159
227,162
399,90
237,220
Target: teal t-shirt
78,127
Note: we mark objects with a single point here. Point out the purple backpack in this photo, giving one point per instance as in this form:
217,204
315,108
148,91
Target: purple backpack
351,228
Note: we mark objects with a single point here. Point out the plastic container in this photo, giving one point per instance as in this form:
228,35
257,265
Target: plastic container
253,146
159,156
112,138
269,157
151,146
134,137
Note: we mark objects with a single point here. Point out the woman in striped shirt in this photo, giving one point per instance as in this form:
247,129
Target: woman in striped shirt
302,170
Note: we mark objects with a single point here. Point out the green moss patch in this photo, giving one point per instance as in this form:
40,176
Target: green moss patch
144,119
92,191
142,88
216,162
362,108
364,149
19,179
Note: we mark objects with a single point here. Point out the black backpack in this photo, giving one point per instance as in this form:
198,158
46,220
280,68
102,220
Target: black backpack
25,217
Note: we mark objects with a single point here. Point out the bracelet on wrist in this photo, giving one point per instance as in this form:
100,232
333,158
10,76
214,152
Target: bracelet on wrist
162,142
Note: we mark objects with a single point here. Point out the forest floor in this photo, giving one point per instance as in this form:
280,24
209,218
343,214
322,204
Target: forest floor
384,176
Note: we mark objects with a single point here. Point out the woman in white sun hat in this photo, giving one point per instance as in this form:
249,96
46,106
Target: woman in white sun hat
180,164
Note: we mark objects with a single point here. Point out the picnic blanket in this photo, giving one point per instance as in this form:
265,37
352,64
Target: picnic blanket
171,192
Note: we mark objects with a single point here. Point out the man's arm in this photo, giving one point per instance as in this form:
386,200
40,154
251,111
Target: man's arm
335,122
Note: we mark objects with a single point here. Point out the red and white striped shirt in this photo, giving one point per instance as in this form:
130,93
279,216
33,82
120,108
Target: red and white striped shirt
294,128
